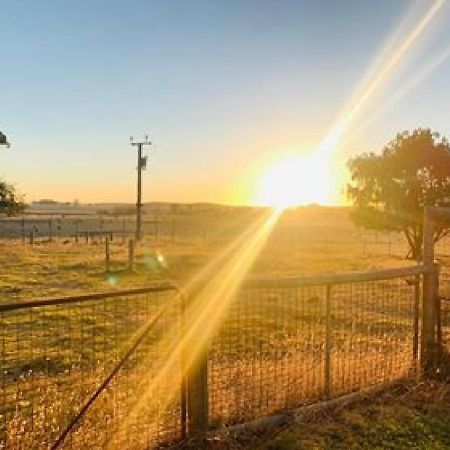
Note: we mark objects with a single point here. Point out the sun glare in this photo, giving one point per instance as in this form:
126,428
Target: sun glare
295,180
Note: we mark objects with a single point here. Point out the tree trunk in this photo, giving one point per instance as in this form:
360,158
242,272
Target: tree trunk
414,238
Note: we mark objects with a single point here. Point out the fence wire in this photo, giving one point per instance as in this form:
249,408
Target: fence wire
279,348
443,256
445,326
54,357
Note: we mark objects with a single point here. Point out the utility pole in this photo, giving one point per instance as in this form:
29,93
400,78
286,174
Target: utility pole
141,165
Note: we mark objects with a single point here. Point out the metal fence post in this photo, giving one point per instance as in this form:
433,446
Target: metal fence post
438,310
416,321
328,344
430,297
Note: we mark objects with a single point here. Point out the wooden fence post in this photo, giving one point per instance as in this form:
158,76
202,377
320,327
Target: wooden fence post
23,229
50,230
131,254
31,237
428,357
197,401
183,365
197,378
107,259
328,344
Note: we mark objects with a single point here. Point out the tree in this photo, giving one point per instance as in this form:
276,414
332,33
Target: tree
10,202
3,140
389,190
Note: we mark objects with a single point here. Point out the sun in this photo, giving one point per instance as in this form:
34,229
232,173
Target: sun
295,179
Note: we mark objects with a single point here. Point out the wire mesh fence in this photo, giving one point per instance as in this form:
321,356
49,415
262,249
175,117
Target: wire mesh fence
442,253
280,347
281,344
445,325
56,353
443,256
289,233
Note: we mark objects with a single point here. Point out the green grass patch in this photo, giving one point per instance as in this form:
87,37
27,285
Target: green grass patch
406,418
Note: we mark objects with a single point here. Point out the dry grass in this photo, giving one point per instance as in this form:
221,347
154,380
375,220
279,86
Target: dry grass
243,387
311,240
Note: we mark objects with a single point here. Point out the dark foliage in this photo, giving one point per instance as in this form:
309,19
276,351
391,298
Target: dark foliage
389,190
10,202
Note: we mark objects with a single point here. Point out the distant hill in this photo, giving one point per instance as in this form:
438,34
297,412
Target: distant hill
150,208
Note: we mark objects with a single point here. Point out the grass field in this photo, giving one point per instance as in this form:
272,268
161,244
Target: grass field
414,418
307,241
268,350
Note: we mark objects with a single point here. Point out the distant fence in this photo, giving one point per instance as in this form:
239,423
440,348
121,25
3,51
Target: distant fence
167,229
89,228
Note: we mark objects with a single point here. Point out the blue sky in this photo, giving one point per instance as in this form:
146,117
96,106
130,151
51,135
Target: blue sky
217,85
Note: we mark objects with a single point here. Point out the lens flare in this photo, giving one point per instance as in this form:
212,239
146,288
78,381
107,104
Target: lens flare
112,279
375,84
211,293
401,92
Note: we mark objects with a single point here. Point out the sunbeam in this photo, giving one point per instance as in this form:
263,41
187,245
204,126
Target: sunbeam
214,287
210,293
374,85
400,93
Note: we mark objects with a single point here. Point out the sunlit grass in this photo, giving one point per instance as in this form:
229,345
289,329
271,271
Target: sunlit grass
220,266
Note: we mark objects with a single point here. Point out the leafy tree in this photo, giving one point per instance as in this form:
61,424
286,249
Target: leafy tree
3,140
10,202
389,190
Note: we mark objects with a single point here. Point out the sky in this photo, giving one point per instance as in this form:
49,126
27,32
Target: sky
224,89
